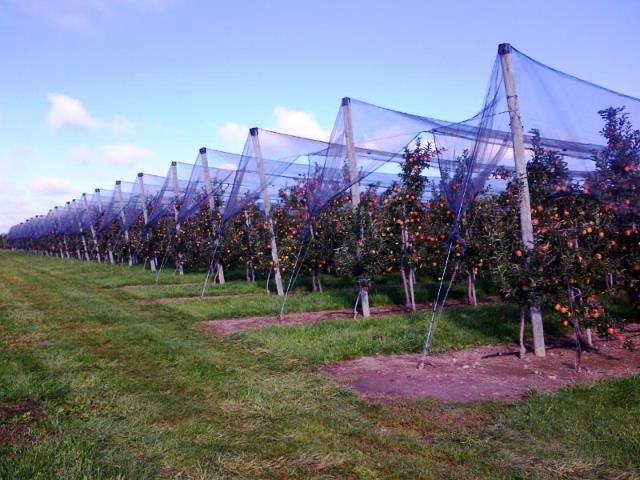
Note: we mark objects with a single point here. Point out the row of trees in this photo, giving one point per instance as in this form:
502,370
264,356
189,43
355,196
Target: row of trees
586,232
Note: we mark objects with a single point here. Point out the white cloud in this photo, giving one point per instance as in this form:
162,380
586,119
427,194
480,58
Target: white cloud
121,154
68,112
81,155
301,124
234,133
65,111
121,125
287,120
51,185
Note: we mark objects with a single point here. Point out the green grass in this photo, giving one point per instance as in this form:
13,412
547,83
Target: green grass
135,391
299,301
335,340
194,290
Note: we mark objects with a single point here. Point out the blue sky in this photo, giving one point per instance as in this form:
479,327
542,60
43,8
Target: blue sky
96,90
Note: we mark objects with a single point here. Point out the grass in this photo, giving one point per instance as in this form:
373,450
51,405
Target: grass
135,391
336,340
299,301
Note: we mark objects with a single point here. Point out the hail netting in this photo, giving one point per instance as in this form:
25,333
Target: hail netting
167,199
142,195
221,168
99,200
270,161
112,204
563,108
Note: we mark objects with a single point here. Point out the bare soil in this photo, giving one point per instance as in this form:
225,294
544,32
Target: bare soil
477,374
16,418
229,326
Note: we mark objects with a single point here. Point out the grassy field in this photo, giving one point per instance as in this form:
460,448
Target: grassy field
140,391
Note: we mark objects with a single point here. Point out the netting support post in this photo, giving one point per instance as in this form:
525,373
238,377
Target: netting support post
351,152
76,208
212,205
123,218
257,151
99,202
176,195
526,226
91,227
145,216
355,184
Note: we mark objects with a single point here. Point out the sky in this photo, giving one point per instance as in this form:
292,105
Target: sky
93,91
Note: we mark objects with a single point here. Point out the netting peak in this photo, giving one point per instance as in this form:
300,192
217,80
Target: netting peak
504,48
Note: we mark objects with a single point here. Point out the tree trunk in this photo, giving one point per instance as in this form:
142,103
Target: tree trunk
576,328
523,349
405,285
318,280
471,287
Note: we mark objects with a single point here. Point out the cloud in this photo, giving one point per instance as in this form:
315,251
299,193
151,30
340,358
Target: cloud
65,111
124,154
287,120
301,124
81,155
121,154
121,125
234,133
68,112
51,185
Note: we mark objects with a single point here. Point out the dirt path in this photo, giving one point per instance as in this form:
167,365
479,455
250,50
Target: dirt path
230,326
469,375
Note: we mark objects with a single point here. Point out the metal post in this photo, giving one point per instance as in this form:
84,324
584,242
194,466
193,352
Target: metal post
526,226
355,184
212,204
257,150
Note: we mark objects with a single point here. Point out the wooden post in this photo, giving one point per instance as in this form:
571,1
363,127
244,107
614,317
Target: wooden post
212,204
145,216
91,227
123,218
355,184
257,151
526,227
176,195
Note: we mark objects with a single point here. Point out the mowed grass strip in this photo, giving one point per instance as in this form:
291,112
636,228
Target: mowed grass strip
142,394
299,301
334,340
130,391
